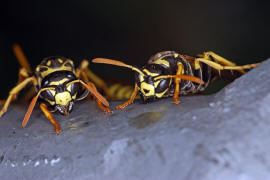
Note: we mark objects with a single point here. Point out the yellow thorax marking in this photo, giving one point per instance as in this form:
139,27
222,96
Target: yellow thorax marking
59,82
60,60
164,62
141,78
63,98
51,70
51,102
149,87
150,73
176,55
49,63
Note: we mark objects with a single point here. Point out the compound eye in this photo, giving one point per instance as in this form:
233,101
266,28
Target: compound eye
49,94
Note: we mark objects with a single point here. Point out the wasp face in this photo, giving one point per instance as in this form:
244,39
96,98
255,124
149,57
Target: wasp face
149,88
64,94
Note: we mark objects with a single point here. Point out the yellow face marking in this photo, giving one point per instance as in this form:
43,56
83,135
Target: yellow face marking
74,96
59,82
160,95
63,98
49,63
156,83
60,60
164,62
148,87
51,102
69,88
150,73
52,92
176,55
37,69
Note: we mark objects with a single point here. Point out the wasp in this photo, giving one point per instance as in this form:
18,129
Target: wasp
58,86
169,74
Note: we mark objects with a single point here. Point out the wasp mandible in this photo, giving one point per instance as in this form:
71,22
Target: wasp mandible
169,74
58,86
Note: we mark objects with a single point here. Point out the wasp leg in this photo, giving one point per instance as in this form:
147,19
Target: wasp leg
100,105
177,82
220,67
49,116
227,63
21,57
23,74
131,99
100,83
83,75
14,92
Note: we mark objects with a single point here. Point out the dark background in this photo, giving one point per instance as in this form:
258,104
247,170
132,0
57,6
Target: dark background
130,31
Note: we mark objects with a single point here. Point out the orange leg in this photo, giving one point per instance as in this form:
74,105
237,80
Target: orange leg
131,99
49,115
84,77
105,109
177,85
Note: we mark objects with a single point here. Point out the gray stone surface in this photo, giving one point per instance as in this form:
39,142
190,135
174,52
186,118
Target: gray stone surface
222,136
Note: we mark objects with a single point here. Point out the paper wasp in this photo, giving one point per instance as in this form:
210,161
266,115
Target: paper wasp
169,74
58,85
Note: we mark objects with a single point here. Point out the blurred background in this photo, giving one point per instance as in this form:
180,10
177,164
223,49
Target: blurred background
130,31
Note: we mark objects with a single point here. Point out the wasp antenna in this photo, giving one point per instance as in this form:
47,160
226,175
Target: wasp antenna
91,90
31,107
117,63
21,57
184,77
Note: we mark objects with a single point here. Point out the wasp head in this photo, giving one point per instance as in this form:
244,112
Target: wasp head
63,93
151,88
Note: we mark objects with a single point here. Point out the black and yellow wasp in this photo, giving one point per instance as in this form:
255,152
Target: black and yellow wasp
58,85
171,74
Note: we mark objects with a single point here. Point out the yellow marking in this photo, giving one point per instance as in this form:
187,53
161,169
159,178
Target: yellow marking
141,78
176,55
182,67
49,101
74,96
52,92
51,70
197,65
150,73
156,83
69,88
162,61
63,98
59,82
148,87
60,60
120,93
112,89
160,95
49,63
37,69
